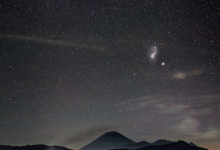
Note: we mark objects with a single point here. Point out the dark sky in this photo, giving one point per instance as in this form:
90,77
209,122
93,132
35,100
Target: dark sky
71,70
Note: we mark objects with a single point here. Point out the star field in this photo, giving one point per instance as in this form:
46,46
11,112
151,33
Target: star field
72,70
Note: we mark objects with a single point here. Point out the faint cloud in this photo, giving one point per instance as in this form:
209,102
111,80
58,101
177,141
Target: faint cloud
142,98
53,42
171,109
208,97
211,100
189,127
138,103
160,104
201,112
183,75
180,75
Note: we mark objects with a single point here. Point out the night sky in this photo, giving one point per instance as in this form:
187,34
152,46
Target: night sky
71,70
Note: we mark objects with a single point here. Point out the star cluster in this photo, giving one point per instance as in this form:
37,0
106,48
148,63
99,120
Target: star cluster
68,68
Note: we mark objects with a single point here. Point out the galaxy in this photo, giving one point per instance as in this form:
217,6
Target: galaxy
153,52
72,70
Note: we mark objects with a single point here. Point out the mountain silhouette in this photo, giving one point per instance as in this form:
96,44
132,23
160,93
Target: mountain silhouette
5,147
161,142
192,144
33,147
115,141
109,140
180,145
137,145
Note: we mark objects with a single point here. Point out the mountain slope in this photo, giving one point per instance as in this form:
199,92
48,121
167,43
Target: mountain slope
192,144
109,140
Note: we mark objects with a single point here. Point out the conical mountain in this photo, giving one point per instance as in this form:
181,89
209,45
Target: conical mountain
109,140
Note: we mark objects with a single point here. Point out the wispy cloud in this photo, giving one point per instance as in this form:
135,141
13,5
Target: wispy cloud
189,128
171,109
210,97
138,103
160,104
53,42
186,74
167,105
